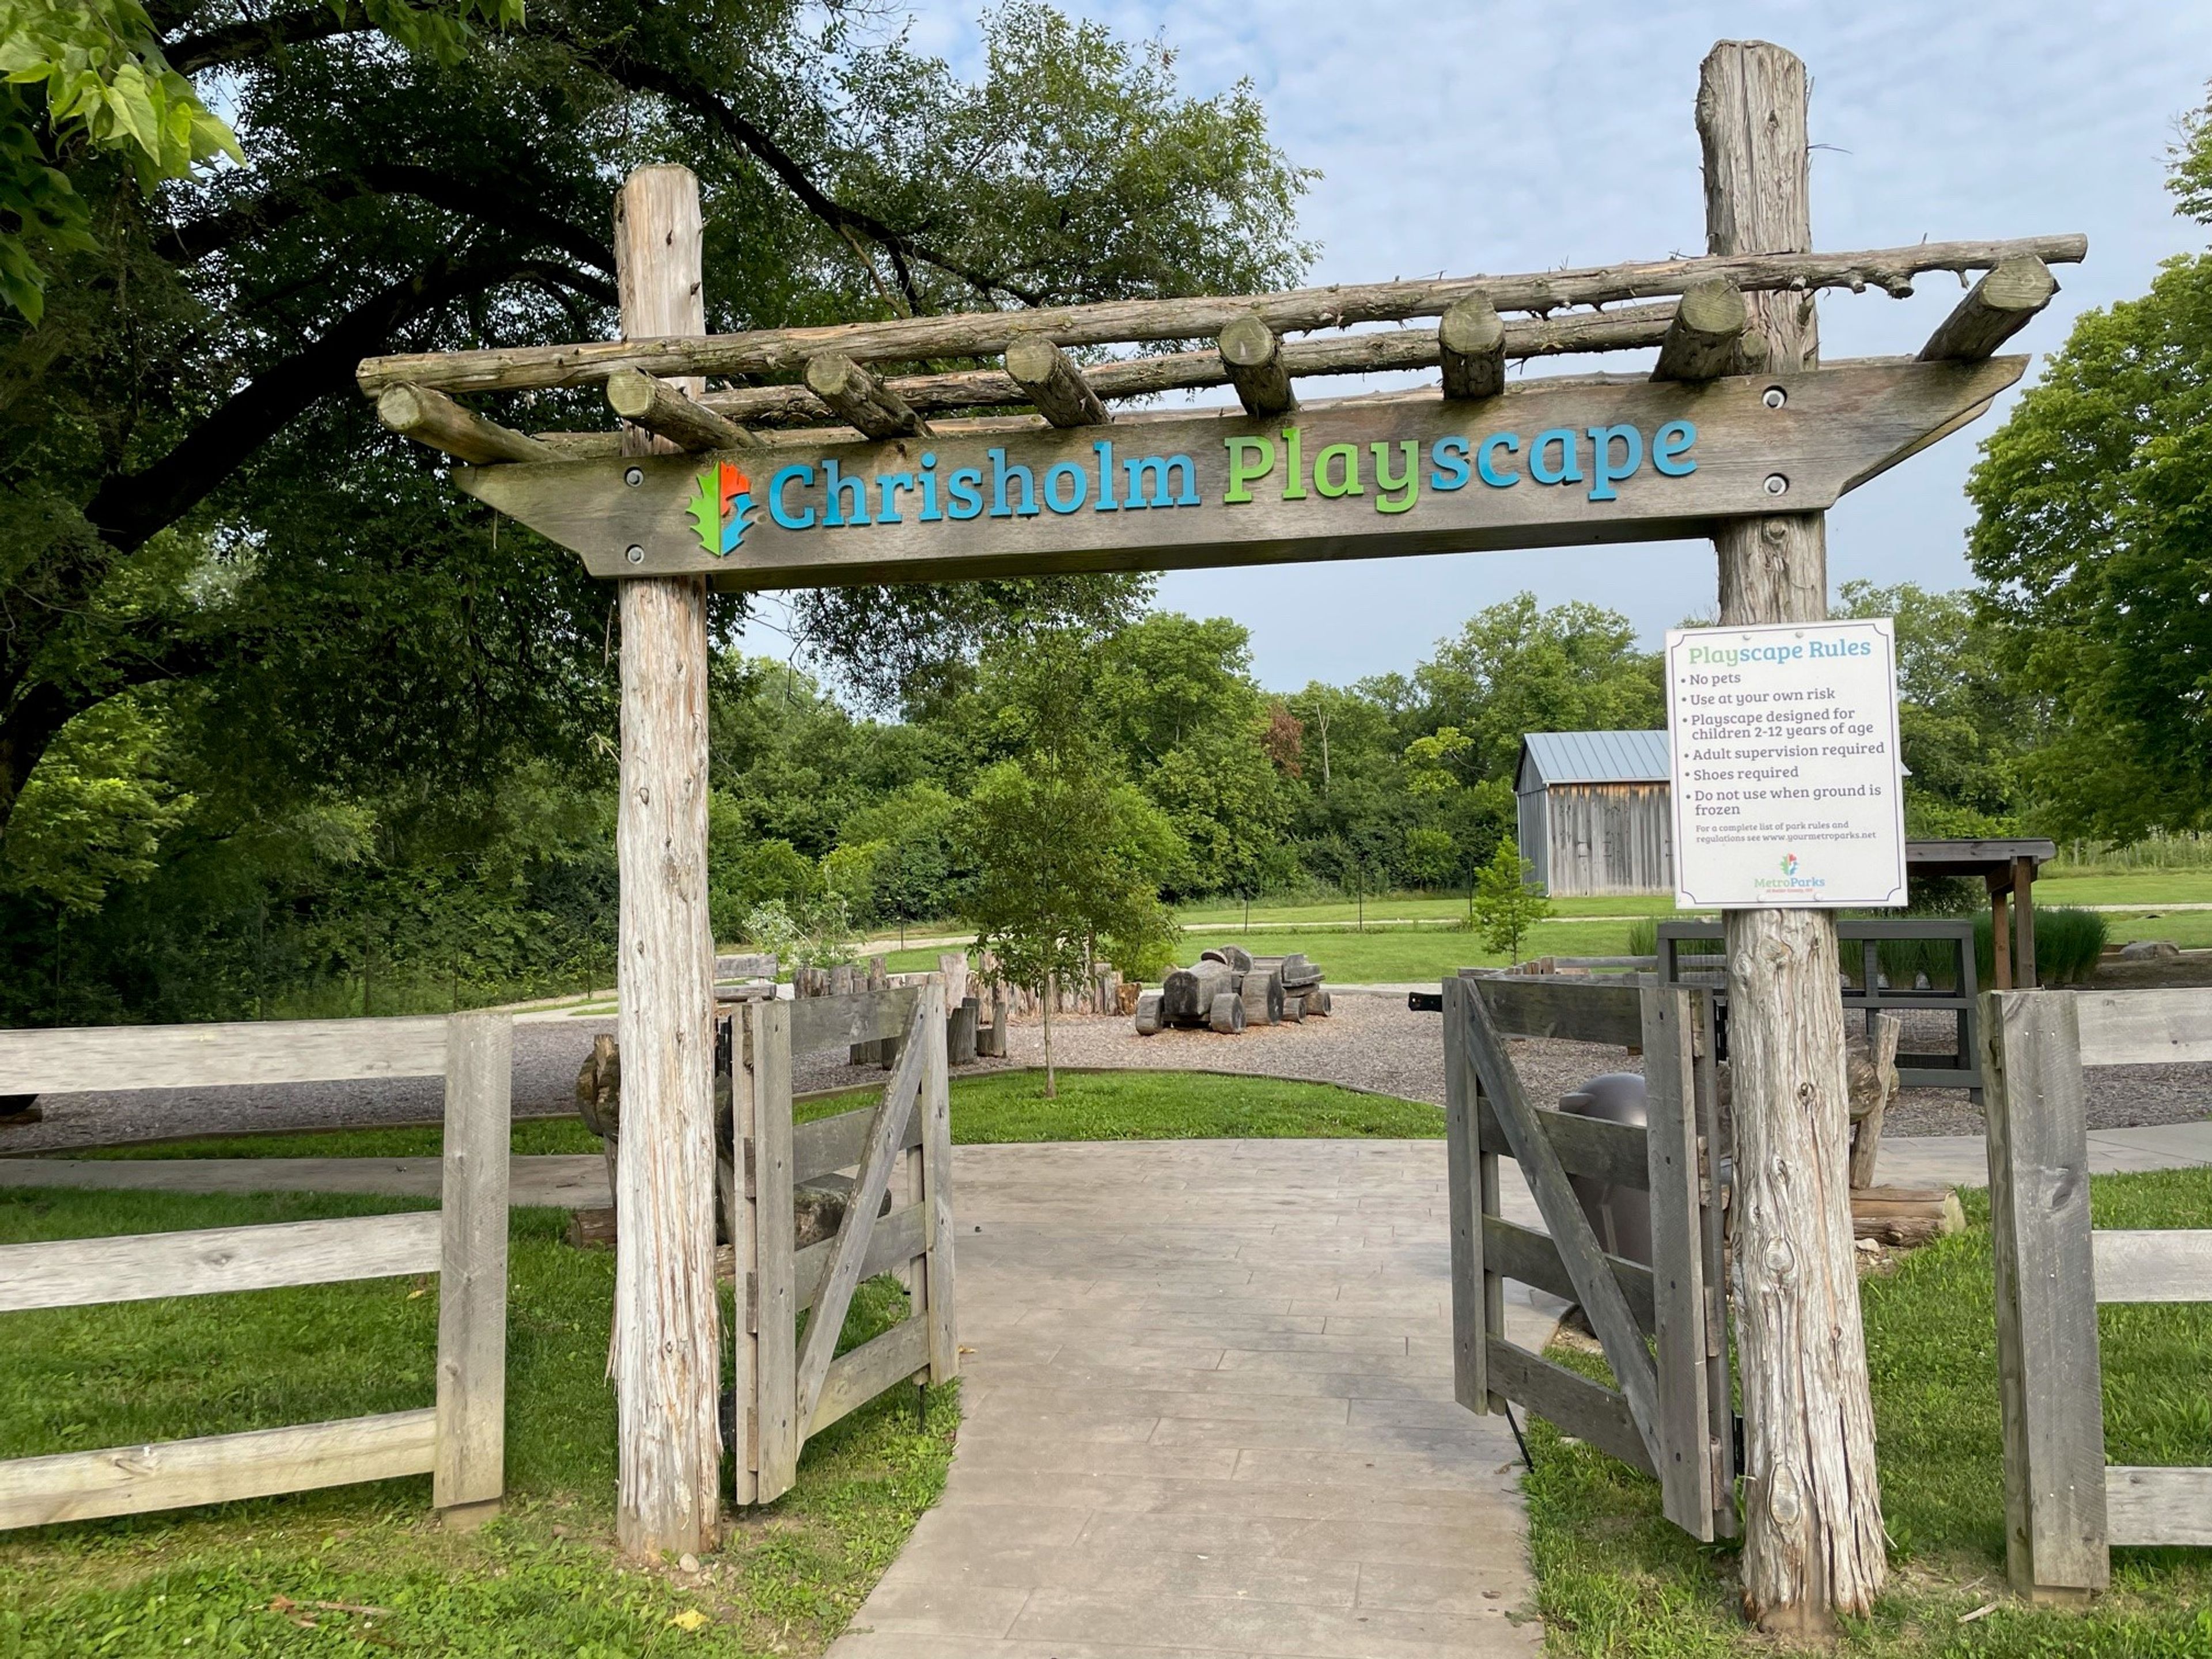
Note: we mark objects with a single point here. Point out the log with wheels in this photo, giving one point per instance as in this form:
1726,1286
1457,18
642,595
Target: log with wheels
1149,1017
1188,992
1227,1016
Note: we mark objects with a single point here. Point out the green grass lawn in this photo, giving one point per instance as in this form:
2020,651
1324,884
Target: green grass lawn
2149,888
1616,1579
987,1107
1385,955
543,1578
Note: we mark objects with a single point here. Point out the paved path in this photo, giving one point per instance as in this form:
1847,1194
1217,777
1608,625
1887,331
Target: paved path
1208,1413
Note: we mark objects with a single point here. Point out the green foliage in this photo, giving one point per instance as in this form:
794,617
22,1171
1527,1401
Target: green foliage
2096,570
1067,857
2067,943
1505,905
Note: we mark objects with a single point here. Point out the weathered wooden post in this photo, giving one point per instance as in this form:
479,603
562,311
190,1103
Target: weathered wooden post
1813,1542
666,1359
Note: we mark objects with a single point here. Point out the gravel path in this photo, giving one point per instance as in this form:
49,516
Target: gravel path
1372,1041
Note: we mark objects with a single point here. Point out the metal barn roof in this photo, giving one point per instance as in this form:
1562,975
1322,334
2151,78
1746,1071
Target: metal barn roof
1550,757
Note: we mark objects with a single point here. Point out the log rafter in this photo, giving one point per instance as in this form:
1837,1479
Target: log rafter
987,333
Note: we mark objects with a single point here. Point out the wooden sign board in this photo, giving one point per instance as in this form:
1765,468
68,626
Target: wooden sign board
1554,462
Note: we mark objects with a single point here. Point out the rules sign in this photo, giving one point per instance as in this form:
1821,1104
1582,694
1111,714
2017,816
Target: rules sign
1785,765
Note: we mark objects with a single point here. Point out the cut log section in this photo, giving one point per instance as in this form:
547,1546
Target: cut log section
644,400
433,418
1053,382
1994,309
1317,1000
1227,1014
1149,1019
1906,1215
1254,359
1297,973
1263,998
1471,345
1701,343
860,399
1235,955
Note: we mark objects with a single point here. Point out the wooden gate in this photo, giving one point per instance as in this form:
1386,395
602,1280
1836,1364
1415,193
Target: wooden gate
1669,1414
796,1385
459,1441
2065,1508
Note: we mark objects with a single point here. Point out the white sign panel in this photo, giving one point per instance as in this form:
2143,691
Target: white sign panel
1785,765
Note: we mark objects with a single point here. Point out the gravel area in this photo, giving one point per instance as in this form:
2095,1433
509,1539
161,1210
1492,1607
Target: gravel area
1371,1041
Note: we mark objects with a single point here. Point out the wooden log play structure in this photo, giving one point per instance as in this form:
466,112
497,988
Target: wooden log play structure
1228,990
1743,432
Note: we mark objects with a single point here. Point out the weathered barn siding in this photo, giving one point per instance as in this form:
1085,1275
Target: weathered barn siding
1607,838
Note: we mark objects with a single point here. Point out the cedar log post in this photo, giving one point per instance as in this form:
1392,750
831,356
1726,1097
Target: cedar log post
1812,1543
666,1359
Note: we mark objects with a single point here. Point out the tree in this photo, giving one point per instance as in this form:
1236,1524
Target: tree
200,517
1505,906
2094,556
1066,856
1514,668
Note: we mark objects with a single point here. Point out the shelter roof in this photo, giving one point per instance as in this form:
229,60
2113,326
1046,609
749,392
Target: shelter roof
1983,858
1550,757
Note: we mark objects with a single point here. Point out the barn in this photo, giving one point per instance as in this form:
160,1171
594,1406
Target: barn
1594,815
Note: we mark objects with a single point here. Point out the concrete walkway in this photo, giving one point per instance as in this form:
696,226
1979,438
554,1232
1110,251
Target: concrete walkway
1208,1413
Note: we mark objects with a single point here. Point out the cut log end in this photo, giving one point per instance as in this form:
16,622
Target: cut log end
1253,358
1471,347
1053,382
1998,307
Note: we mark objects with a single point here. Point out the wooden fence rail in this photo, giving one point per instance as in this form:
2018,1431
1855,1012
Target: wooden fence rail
795,1386
460,1442
2065,1508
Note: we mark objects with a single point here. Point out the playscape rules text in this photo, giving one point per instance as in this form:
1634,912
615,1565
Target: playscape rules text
1786,776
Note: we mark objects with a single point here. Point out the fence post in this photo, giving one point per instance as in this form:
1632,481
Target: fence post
2048,1373
1463,1188
1685,1453
935,1193
775,1344
469,1473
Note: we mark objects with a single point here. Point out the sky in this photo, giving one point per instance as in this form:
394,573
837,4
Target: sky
1458,138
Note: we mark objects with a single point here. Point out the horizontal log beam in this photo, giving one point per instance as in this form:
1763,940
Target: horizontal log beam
1048,377
1471,346
1994,309
433,419
1704,340
1627,329
976,334
860,399
646,400
1252,357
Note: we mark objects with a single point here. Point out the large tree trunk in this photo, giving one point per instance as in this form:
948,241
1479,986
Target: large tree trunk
667,1337
1813,1537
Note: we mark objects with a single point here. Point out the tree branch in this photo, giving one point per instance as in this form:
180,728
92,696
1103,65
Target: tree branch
240,42
508,203
129,507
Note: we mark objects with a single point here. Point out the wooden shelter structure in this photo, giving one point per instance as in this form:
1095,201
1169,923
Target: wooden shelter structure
2007,869
1001,443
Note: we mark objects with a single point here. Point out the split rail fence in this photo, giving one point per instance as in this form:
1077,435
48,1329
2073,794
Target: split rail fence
1663,1327
796,1385
460,1441
2065,1508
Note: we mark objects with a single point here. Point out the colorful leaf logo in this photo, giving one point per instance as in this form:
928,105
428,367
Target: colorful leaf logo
721,509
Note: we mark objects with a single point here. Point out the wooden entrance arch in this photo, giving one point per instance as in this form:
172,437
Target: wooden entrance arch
824,456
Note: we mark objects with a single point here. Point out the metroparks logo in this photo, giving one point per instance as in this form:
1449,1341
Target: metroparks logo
722,509
1790,878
